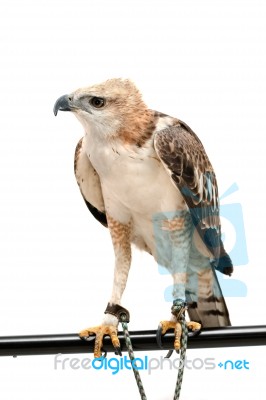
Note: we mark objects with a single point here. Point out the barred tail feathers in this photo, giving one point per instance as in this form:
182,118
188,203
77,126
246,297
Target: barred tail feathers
206,303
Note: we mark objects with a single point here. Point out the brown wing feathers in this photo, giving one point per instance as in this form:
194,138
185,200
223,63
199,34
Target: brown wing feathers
183,155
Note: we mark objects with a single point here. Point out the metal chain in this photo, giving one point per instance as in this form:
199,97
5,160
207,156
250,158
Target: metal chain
132,357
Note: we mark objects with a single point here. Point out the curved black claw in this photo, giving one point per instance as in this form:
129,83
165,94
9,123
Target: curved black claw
159,337
170,352
118,351
159,342
168,355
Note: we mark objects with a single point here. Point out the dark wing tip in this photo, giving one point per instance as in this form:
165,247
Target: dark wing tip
100,216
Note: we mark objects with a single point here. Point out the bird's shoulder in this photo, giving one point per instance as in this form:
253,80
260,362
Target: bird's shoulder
168,128
175,140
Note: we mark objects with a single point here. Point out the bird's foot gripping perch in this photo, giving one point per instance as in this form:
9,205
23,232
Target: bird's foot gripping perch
178,310
105,329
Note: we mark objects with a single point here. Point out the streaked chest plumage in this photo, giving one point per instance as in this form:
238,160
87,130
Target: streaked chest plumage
134,182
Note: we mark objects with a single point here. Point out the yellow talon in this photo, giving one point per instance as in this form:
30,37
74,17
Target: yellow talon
100,331
166,325
194,326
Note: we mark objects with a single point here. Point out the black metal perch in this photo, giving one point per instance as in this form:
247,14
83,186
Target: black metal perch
141,340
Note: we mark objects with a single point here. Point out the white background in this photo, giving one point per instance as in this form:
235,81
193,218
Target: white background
201,61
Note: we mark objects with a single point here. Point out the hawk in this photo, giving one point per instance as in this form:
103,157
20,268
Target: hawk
146,177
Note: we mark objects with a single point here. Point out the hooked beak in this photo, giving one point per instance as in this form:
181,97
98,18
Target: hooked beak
64,103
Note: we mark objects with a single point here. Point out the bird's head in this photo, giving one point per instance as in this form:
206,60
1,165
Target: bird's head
112,108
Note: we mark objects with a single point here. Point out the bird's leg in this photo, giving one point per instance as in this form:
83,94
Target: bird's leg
176,235
120,234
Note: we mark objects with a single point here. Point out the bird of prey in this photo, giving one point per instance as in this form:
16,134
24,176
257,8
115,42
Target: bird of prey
146,177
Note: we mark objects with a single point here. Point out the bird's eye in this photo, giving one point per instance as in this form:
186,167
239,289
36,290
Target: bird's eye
97,102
